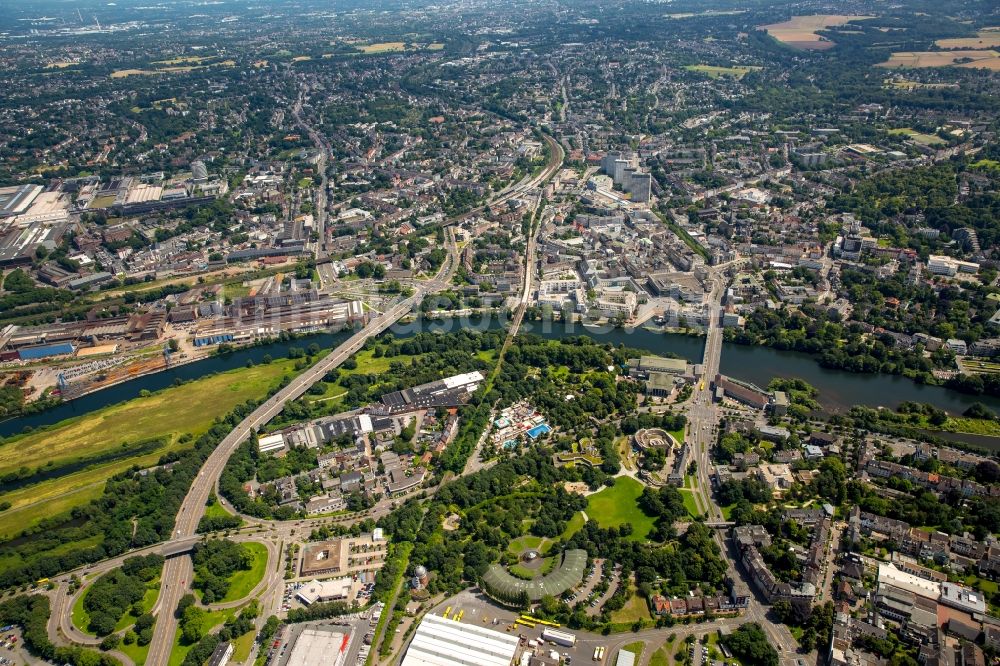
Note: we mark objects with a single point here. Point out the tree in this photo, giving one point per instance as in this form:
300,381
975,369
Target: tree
192,624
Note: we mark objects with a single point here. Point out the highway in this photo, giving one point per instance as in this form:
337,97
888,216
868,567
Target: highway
177,571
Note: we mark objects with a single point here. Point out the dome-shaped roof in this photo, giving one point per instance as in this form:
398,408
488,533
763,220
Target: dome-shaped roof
420,571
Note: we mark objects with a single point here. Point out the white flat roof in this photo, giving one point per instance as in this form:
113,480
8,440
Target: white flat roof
463,379
889,574
326,589
441,642
366,423
270,443
314,647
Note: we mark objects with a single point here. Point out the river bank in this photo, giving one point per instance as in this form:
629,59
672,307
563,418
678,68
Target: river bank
838,390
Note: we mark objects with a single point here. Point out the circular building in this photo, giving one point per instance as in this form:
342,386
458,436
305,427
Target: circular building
504,587
655,438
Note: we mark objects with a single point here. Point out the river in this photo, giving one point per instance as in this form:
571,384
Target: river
838,390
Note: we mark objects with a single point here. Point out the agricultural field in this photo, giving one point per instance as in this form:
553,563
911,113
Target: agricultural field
984,40
80,456
172,67
715,72
397,47
619,504
799,32
986,59
919,137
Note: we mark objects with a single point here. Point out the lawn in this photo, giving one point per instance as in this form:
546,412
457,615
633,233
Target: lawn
678,434
660,658
574,525
89,447
526,542
636,649
919,137
137,653
634,609
216,510
690,503
212,619
242,647
242,582
617,505
981,584
367,364
81,619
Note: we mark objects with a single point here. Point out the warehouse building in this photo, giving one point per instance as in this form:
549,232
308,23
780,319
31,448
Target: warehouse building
441,642
318,646
447,392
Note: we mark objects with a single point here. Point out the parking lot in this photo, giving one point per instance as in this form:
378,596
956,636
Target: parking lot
11,647
360,625
476,608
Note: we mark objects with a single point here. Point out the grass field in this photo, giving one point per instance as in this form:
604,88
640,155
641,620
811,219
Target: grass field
216,510
242,647
574,525
919,137
74,442
714,72
528,542
636,649
367,364
617,505
212,619
102,202
690,503
137,653
243,582
634,609
660,658
81,619
972,426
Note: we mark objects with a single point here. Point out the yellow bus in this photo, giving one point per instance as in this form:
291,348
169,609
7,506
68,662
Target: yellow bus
529,625
531,618
447,612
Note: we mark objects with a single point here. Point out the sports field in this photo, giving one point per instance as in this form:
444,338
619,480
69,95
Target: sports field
920,137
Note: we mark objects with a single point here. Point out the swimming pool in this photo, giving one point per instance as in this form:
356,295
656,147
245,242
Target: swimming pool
539,429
